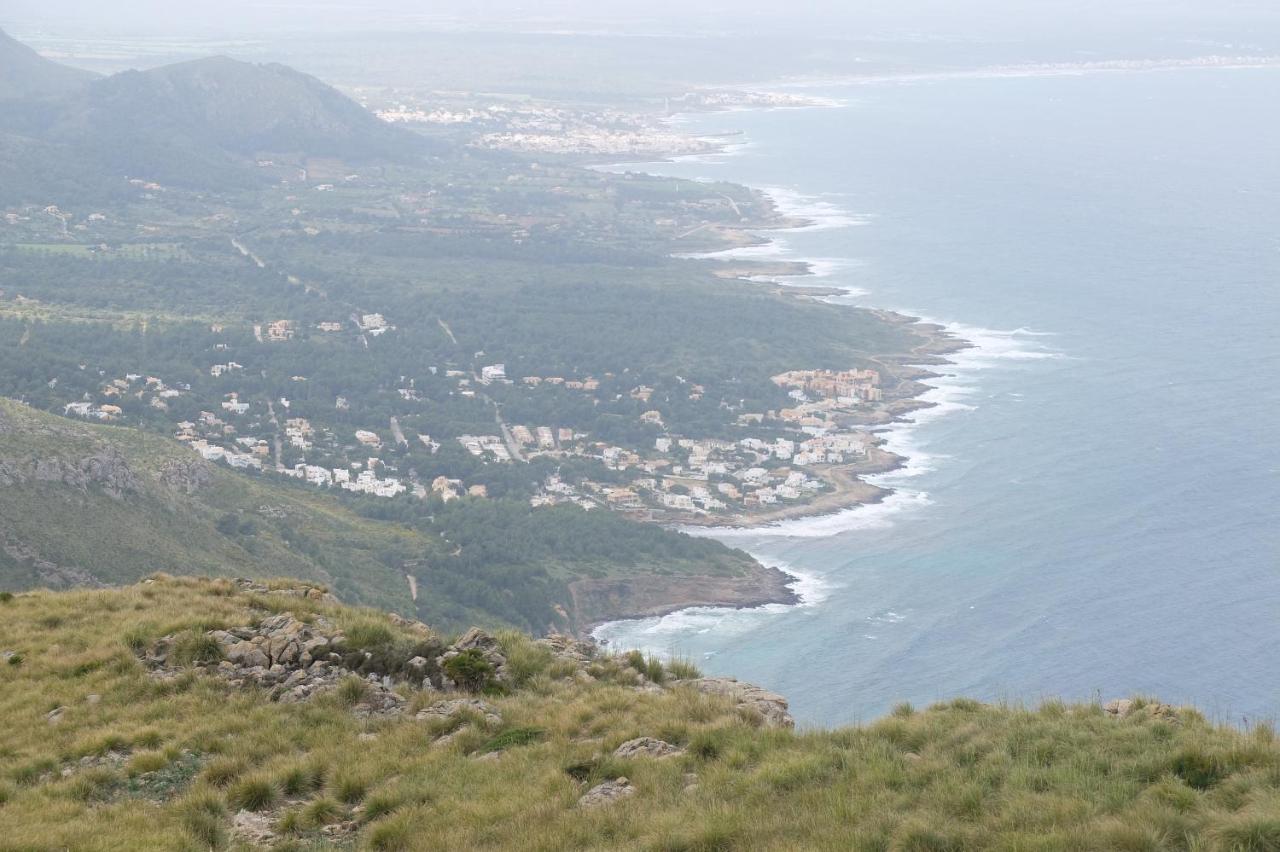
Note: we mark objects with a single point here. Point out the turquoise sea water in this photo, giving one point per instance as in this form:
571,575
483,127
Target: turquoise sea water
1093,508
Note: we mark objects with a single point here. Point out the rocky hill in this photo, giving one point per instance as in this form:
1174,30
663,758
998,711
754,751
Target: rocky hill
205,124
219,714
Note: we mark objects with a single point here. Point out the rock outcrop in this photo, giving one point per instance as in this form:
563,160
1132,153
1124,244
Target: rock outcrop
186,475
1123,708
454,707
647,747
107,469
771,706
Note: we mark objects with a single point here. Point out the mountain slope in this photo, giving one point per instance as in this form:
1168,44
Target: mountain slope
116,739
199,125
237,107
26,74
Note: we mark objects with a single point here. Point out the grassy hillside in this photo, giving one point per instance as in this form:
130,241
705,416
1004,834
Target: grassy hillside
98,754
87,504
149,504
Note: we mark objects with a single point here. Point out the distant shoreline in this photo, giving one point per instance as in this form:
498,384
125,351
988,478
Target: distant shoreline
848,489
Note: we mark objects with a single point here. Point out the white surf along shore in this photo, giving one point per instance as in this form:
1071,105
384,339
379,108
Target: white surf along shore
949,394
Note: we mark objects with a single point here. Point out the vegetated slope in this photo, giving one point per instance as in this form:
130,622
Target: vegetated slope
86,504
26,74
94,505
99,751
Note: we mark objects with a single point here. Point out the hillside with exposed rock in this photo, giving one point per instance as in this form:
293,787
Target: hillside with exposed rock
198,714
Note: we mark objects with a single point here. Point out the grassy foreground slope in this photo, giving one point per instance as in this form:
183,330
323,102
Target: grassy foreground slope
95,754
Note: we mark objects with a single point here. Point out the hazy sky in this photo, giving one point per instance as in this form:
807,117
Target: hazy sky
1036,19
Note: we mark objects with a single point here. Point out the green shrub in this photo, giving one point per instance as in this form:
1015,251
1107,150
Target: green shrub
256,793
16,660
6,597
469,670
513,737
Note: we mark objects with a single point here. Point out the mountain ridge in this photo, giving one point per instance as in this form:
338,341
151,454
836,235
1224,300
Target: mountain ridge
24,73
200,124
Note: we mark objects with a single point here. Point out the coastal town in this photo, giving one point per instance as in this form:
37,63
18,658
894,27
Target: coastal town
784,457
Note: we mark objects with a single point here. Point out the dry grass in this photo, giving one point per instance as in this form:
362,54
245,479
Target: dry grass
168,763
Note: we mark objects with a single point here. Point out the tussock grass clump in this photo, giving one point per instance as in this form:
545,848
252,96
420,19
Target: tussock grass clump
147,761
255,793
301,779
223,771
393,834
352,690
319,813
380,804
203,817
682,669
195,647
349,788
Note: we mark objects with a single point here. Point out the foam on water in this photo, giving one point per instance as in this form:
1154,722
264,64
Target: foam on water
821,214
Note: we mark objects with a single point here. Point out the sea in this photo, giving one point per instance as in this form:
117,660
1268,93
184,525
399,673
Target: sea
1091,509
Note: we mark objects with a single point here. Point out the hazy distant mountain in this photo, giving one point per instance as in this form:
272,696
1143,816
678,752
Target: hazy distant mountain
26,74
197,124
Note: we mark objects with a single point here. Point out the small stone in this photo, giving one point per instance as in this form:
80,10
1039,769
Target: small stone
252,828
607,793
54,716
92,698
